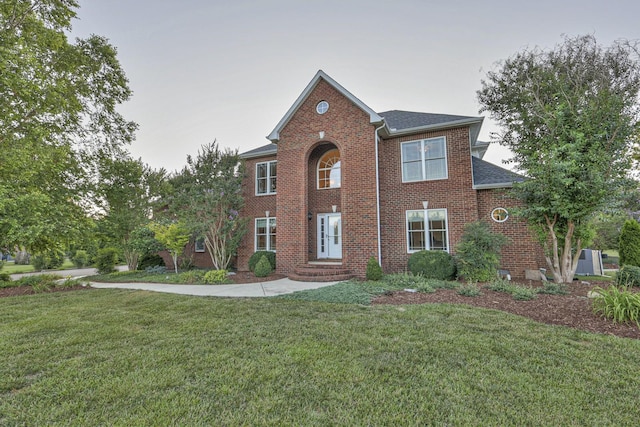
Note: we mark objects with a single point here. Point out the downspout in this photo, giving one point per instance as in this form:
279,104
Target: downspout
377,140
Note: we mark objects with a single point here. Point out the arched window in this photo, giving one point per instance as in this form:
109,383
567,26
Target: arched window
329,169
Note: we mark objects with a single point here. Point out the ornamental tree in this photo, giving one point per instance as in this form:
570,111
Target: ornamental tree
207,195
173,236
570,116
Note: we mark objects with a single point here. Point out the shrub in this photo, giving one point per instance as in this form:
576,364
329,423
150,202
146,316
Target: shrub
55,259
617,303
156,269
404,281
80,259
106,260
150,260
409,281
48,261
191,276
478,253
186,263
215,276
629,247
263,268
522,293
39,262
5,277
432,265
374,271
500,285
255,258
629,275
469,290
552,288
39,282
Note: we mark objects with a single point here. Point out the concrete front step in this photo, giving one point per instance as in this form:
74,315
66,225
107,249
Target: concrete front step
320,273
336,278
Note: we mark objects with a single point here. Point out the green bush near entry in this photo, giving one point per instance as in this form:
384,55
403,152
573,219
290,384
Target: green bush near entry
374,271
255,258
215,277
263,268
432,265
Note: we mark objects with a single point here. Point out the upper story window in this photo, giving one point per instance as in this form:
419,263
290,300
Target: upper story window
322,107
266,177
424,160
329,170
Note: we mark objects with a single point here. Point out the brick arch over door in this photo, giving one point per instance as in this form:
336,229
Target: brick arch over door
319,200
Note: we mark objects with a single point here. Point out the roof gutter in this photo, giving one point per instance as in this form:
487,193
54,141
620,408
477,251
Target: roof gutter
260,154
447,125
493,186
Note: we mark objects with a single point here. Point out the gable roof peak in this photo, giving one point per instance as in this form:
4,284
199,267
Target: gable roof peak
274,136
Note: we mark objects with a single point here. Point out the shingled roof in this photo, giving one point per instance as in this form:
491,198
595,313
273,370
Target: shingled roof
398,120
265,150
488,175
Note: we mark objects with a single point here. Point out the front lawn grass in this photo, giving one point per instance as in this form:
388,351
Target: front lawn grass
139,276
13,268
116,357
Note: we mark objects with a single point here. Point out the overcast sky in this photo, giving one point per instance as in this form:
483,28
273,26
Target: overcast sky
229,70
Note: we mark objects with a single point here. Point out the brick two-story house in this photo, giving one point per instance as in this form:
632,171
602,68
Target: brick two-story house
344,183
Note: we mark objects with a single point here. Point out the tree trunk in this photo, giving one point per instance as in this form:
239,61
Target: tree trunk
564,262
174,256
553,264
131,258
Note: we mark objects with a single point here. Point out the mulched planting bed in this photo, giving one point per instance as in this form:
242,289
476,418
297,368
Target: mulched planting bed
28,290
573,310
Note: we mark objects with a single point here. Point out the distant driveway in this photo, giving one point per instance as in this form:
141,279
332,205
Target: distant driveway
76,272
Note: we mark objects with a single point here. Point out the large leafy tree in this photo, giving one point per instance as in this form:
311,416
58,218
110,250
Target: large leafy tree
570,116
127,190
207,196
58,117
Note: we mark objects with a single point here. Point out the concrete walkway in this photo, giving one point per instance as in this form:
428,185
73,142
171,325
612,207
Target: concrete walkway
262,289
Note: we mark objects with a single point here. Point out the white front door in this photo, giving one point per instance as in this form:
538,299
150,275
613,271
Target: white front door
330,236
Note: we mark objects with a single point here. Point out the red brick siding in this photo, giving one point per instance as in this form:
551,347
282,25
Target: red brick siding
456,194
523,252
255,207
199,259
348,128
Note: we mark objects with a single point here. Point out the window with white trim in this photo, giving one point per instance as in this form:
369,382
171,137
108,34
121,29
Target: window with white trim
499,215
265,236
266,177
424,160
427,230
329,170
